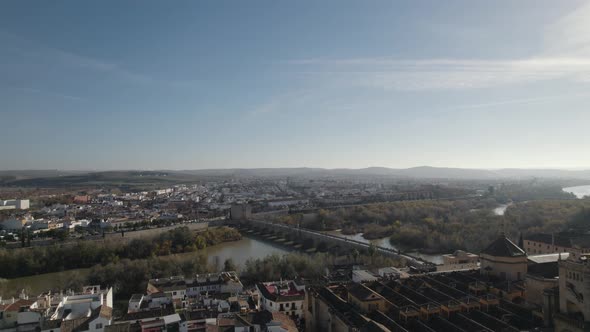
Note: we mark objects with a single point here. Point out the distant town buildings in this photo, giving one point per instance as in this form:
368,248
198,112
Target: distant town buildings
15,204
574,243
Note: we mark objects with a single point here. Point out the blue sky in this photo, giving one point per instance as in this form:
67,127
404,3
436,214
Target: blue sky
220,84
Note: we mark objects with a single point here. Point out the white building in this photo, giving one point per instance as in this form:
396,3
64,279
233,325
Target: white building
363,276
80,305
178,288
282,296
12,204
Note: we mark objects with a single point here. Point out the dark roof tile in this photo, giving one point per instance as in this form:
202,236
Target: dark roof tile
503,247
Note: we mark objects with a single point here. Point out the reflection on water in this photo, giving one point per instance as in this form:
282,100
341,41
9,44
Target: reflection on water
501,209
240,251
579,191
385,243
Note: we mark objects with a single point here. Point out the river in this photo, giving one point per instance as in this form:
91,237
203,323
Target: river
238,251
579,191
501,209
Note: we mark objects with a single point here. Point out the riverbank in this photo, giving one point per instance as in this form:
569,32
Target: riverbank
239,251
83,254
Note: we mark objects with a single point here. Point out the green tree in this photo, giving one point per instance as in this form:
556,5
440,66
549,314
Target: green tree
229,265
200,242
372,250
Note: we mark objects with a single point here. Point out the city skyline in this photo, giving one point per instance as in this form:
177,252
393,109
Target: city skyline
201,85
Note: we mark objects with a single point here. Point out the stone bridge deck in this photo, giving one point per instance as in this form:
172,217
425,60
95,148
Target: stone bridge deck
317,237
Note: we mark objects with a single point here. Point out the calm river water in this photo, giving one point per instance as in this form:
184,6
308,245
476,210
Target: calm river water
240,251
501,209
579,191
384,242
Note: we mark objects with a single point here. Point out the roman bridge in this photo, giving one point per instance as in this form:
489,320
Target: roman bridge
296,236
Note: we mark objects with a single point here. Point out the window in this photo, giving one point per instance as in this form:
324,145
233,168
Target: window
98,326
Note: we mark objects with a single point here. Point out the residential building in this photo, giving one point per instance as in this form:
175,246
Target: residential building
574,243
14,223
14,204
574,292
80,305
459,260
363,276
282,296
365,299
393,272
82,199
180,288
155,320
93,321
18,312
140,302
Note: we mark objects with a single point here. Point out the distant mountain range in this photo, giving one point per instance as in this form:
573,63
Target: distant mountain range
422,172
60,178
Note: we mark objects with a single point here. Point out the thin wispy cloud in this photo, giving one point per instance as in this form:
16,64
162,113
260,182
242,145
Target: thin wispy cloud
447,73
570,34
565,56
539,100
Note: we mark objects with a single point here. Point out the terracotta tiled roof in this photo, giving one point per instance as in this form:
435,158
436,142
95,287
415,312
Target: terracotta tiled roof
106,312
18,304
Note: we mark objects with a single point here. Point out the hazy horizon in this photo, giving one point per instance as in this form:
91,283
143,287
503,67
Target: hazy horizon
191,85
296,167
